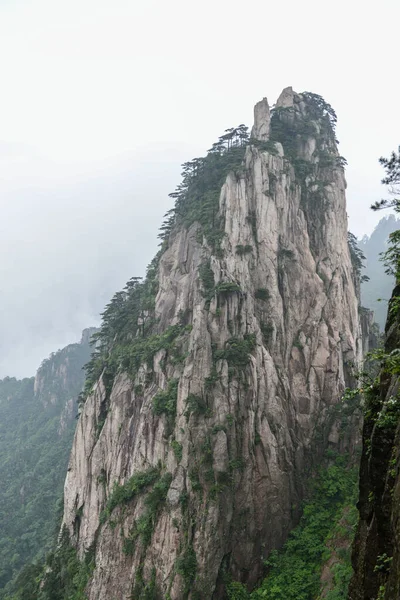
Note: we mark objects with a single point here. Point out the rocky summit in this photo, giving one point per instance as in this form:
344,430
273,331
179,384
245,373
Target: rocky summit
212,398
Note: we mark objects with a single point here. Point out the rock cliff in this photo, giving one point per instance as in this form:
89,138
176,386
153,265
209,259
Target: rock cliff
193,447
376,549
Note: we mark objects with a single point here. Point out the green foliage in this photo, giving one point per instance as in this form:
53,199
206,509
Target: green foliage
63,577
389,415
207,455
207,280
320,109
285,253
177,448
356,254
186,566
242,250
381,592
292,130
391,257
265,146
126,338
230,419
237,591
252,220
383,562
26,585
143,590
197,196
342,574
302,168
34,452
294,573
218,428
211,380
267,331
227,287
144,526
195,405
392,178
236,464
67,577
237,351
383,412
123,493
195,479
164,403
262,294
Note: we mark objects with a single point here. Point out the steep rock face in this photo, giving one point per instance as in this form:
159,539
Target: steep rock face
60,377
272,329
376,549
262,120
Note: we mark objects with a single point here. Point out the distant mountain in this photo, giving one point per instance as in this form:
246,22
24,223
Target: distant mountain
37,424
380,285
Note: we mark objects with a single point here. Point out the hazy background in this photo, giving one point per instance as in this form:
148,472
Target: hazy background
100,103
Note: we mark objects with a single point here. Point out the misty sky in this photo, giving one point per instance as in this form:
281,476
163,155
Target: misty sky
102,101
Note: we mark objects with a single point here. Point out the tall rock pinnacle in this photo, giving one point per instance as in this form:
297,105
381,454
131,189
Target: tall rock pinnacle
262,120
190,454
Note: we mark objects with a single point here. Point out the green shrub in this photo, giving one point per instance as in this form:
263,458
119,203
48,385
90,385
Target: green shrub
242,250
285,253
237,351
262,294
236,464
65,576
164,403
186,566
252,220
123,493
227,287
211,380
144,526
177,448
207,279
264,146
207,455
218,428
195,479
294,573
230,419
196,405
237,591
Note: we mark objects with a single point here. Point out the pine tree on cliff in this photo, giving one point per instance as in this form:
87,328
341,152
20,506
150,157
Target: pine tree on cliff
392,167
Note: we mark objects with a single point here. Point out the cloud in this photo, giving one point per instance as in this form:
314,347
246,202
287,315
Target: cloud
101,101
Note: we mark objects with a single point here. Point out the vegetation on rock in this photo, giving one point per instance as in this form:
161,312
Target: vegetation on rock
294,573
376,558
35,441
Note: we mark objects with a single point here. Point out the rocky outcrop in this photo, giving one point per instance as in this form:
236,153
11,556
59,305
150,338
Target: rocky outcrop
376,549
60,377
262,119
269,332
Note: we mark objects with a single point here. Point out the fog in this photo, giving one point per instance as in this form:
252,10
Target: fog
102,101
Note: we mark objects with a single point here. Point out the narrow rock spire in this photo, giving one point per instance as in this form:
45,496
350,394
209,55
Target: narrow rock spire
262,119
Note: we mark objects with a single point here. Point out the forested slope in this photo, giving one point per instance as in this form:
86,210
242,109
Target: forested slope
37,423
